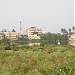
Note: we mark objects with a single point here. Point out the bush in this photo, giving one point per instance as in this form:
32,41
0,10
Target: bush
8,46
34,72
60,61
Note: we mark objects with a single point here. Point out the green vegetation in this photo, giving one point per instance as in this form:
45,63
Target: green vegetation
47,38
36,60
51,38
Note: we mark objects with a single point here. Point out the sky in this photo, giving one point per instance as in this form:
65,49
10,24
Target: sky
49,15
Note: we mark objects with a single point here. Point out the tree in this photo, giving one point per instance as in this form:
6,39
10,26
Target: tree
4,30
62,30
51,38
69,30
73,28
13,30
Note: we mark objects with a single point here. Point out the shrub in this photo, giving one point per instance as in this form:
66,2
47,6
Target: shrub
34,72
8,46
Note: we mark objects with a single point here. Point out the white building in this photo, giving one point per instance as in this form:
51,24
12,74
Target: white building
33,32
72,39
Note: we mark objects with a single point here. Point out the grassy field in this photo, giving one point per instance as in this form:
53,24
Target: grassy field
37,60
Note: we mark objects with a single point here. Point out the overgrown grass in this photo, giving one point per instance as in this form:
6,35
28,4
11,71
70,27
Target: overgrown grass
36,60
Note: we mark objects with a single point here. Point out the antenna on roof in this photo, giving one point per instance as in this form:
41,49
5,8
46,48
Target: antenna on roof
20,27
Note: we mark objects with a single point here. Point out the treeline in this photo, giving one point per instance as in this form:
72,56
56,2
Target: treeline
51,38
68,31
47,38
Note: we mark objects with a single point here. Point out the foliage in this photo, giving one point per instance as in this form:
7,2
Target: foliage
7,47
61,60
34,72
51,38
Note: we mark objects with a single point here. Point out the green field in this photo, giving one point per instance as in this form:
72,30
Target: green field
36,60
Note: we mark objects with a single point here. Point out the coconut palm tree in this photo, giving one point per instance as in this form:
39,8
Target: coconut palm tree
4,30
62,30
13,30
73,28
69,30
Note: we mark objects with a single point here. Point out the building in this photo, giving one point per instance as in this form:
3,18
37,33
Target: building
8,35
33,32
72,39
11,35
2,36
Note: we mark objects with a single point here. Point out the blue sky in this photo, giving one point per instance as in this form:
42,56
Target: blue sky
50,15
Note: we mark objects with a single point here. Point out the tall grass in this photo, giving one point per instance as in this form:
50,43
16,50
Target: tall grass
36,60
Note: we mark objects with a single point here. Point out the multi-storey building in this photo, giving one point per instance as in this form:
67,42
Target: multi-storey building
72,39
11,35
8,35
2,36
33,32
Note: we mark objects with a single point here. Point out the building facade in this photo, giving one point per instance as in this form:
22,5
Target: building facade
8,35
72,39
11,35
33,32
2,36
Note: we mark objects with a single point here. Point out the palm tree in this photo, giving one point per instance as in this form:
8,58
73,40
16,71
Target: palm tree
13,30
65,31
69,30
4,30
62,30
73,28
